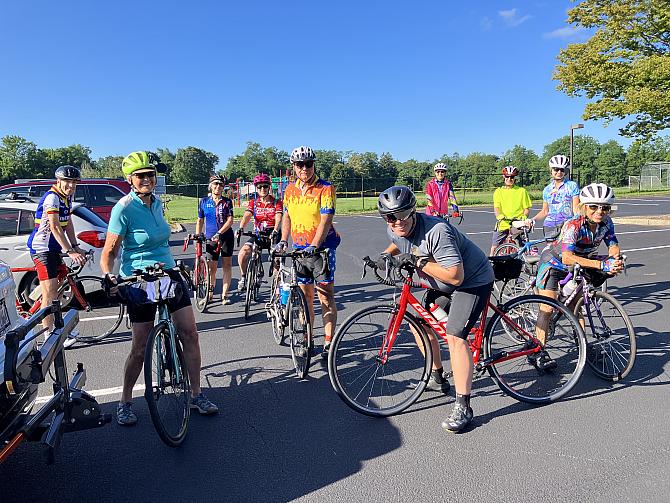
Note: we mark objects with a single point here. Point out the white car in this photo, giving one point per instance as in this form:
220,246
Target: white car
17,221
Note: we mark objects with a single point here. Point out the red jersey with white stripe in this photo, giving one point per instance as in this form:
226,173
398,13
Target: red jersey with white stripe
264,213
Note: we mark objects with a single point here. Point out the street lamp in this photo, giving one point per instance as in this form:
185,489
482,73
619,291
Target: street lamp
572,140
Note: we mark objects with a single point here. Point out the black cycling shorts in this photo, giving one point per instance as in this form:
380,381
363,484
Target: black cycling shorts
227,241
464,307
144,313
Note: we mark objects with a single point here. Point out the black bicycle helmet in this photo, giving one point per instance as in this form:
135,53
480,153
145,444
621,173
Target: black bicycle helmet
396,199
68,172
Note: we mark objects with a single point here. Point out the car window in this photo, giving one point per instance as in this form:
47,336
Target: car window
26,222
104,195
86,214
37,191
9,218
19,191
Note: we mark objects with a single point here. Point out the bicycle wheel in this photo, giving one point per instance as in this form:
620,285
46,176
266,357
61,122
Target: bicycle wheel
99,315
201,284
565,344
300,332
250,286
610,336
359,376
523,285
258,279
275,311
168,391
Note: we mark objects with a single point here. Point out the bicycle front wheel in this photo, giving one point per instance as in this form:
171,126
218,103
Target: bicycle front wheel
300,332
520,376
367,376
251,285
610,336
275,311
99,315
168,390
201,284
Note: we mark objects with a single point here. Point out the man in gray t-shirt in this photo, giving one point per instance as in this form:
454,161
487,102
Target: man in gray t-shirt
457,273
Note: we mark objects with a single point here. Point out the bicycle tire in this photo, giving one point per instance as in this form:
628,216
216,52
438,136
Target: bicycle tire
251,282
523,285
201,284
611,352
565,343
300,332
275,310
169,416
100,317
358,376
258,279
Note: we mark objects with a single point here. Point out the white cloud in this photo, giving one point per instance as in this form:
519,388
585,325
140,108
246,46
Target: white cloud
568,32
486,24
511,18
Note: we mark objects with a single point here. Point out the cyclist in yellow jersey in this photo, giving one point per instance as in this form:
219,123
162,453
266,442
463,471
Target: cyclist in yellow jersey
509,202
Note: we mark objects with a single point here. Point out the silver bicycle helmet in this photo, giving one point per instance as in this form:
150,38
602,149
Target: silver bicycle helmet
302,154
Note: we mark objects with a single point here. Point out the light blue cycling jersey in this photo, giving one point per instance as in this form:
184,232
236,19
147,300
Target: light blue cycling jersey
144,231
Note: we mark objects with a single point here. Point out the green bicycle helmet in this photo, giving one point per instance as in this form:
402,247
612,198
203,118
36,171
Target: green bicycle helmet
137,161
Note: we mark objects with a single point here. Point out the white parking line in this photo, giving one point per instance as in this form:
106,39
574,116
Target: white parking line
96,393
642,232
619,203
645,249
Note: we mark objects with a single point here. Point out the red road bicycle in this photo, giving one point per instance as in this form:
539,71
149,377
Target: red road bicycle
99,316
202,289
380,359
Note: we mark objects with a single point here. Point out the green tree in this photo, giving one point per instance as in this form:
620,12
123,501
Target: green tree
193,166
105,167
640,153
344,178
414,174
326,160
20,158
624,68
479,170
527,162
386,175
611,164
74,155
256,159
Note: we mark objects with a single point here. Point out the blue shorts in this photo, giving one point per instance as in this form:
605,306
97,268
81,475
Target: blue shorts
329,276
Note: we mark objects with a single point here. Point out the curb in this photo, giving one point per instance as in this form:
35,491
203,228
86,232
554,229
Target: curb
663,220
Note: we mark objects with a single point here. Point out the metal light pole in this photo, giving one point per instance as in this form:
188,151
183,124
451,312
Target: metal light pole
572,141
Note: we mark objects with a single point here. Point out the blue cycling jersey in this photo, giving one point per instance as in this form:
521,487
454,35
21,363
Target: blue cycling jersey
144,231
215,214
41,238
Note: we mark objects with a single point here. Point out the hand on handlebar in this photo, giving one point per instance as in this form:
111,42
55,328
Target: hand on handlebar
110,283
78,258
281,246
309,251
612,265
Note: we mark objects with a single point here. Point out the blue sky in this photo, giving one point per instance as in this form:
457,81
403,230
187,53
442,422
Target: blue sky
416,79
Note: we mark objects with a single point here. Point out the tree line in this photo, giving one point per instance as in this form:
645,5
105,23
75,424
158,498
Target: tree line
352,171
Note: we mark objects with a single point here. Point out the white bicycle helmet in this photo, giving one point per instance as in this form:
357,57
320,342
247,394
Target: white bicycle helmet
440,166
302,154
596,193
559,161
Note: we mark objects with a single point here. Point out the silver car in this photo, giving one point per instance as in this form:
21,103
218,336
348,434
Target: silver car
17,221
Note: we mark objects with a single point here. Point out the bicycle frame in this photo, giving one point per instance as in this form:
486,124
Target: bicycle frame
475,338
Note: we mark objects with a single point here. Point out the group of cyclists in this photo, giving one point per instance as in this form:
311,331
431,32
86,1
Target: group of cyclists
457,272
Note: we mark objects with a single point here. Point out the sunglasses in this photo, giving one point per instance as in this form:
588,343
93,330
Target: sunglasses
606,208
559,169
142,176
262,186
217,183
304,164
510,177
399,217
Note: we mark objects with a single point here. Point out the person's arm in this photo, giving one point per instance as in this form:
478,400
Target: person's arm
110,252
575,205
199,225
72,237
429,198
614,250
59,235
227,224
570,258
322,230
452,194
285,227
453,275
392,249
277,221
543,212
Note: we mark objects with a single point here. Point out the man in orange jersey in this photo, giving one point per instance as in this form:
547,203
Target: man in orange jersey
309,208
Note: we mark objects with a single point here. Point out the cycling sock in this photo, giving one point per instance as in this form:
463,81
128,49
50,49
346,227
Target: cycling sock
438,374
464,400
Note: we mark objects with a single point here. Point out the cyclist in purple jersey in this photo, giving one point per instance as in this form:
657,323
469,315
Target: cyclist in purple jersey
560,198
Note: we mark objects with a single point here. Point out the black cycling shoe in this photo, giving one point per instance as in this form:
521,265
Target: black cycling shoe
458,420
542,361
326,348
438,382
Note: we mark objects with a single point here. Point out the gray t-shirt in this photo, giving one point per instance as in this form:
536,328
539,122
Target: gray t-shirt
434,238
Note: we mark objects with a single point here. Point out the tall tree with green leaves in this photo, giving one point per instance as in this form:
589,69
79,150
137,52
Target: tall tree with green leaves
193,165
104,167
74,155
20,158
624,68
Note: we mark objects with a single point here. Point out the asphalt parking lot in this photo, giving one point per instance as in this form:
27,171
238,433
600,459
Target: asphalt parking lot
280,439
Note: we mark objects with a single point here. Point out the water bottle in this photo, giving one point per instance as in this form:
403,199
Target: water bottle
569,287
438,313
284,292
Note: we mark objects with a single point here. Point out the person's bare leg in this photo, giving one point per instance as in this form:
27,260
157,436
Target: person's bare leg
135,359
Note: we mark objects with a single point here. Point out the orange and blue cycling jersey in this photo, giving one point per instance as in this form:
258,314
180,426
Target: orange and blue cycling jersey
41,239
305,203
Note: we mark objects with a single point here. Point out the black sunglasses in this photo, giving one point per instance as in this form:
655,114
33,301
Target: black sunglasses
604,207
510,177
559,169
399,217
262,186
304,164
142,176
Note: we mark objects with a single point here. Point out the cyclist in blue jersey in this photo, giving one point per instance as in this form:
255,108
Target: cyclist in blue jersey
215,220
54,234
560,198
139,233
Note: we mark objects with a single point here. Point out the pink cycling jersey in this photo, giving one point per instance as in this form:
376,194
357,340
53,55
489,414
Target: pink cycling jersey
438,197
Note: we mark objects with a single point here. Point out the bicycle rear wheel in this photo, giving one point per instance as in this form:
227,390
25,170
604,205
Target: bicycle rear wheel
250,286
518,376
610,337
168,390
99,315
523,285
300,332
359,375
201,284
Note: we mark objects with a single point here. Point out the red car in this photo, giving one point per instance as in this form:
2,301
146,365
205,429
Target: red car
99,195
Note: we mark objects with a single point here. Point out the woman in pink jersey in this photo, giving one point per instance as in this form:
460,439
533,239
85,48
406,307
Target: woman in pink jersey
439,192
